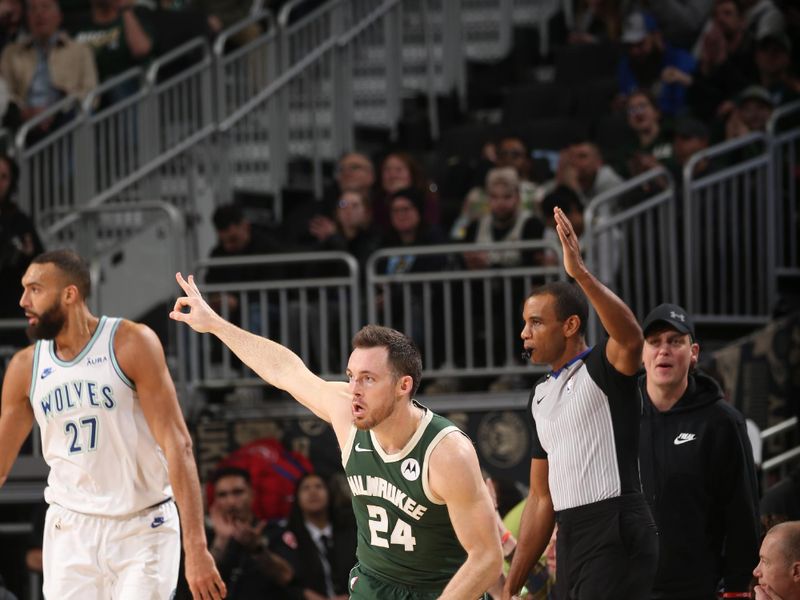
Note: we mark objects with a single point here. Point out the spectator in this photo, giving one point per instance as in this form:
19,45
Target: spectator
651,63
690,137
409,228
46,66
753,110
399,171
320,548
596,21
725,55
680,20
120,34
724,36
235,237
781,502
778,568
512,153
696,466
249,567
355,172
654,145
773,58
11,21
19,243
581,167
350,230
507,221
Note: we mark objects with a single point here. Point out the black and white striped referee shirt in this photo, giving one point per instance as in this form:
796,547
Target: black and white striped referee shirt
586,424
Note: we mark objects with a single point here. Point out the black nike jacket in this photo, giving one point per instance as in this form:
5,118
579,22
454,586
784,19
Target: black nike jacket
698,477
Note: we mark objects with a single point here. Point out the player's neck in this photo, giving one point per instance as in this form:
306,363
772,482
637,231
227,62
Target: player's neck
76,333
394,432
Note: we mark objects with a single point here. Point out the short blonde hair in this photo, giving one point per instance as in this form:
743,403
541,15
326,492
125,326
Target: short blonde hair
506,176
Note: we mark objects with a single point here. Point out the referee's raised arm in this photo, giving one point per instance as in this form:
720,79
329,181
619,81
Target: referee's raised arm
624,348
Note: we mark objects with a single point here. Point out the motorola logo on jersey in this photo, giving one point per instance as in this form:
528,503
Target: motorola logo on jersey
410,469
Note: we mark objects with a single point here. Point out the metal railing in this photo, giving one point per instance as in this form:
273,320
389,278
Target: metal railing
48,178
315,315
784,460
111,155
348,62
250,150
785,157
631,242
115,132
465,322
728,212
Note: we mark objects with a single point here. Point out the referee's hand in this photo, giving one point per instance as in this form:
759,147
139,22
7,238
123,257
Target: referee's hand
573,261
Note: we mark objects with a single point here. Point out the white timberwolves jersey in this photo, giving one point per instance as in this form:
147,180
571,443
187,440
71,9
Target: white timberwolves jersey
103,458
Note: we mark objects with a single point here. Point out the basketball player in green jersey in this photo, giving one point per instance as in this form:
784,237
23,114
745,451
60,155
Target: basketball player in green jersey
426,525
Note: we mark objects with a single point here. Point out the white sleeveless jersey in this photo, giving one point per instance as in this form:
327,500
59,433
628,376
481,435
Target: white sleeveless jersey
103,458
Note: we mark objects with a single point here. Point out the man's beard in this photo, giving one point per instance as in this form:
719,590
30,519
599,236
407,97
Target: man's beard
49,324
377,418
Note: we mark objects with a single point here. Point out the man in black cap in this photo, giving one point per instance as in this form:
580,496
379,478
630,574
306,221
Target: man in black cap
696,467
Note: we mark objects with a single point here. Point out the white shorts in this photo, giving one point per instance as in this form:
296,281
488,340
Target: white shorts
89,557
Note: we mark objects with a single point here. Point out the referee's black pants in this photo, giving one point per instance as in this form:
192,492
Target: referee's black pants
608,549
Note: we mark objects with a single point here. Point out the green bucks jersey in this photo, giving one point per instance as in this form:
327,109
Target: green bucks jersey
404,535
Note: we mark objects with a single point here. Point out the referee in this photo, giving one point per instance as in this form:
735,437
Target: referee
584,465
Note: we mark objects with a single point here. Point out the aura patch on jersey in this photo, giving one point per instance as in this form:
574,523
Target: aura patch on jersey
73,395
368,485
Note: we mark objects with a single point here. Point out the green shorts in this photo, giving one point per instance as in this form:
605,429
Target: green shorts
366,585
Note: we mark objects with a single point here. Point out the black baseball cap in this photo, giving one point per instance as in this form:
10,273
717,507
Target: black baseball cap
688,127
673,316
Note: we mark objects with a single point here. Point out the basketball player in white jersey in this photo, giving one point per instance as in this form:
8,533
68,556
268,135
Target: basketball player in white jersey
116,443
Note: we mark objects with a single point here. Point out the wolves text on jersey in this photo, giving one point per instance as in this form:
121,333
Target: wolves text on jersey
74,395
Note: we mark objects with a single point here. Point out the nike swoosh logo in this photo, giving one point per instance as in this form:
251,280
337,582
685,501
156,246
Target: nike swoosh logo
157,522
679,440
360,449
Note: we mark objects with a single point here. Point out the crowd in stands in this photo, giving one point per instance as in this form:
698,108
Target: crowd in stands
52,50
686,76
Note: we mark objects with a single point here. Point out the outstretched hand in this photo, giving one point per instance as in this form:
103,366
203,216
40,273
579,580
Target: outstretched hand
200,316
573,261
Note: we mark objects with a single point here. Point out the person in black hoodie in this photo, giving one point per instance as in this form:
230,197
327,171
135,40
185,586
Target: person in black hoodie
696,466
